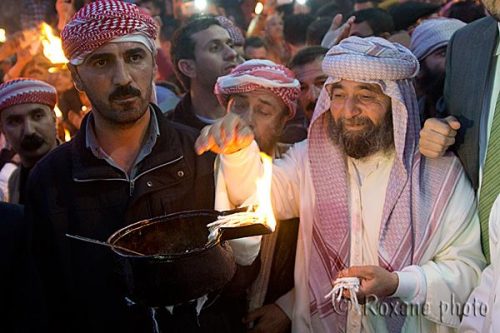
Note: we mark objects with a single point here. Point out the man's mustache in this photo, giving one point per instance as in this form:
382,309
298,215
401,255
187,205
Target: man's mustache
124,91
357,121
32,142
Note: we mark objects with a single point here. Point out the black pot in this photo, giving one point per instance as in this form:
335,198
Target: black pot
178,264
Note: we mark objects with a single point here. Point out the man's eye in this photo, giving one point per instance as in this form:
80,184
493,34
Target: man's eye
215,47
366,97
136,58
100,63
320,83
13,122
38,116
263,112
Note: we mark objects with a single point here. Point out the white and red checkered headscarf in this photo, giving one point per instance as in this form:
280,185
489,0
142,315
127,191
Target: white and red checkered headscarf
26,91
257,74
103,21
414,200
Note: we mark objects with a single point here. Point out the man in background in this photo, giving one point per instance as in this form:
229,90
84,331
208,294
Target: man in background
28,122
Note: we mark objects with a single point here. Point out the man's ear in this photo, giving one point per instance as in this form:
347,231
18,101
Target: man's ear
77,80
155,69
187,67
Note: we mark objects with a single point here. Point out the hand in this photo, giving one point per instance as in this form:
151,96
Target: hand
375,281
228,135
269,318
337,32
438,135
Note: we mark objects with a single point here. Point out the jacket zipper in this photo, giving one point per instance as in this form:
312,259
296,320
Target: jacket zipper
130,181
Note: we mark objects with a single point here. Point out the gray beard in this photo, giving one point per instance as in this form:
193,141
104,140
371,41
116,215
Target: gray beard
364,143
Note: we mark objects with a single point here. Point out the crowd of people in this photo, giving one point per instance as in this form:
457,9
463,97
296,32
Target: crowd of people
382,119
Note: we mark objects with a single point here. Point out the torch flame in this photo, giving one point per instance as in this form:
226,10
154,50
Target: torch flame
52,46
67,135
259,7
58,112
3,38
265,208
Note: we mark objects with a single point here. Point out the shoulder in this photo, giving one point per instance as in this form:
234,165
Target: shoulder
14,176
477,25
54,162
443,170
469,33
172,130
296,154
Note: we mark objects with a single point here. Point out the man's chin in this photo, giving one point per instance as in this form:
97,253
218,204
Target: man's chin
34,154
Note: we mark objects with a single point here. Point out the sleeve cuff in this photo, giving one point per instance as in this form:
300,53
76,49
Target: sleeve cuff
286,302
245,250
412,287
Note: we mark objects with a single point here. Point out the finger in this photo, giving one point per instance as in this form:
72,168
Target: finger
433,148
362,272
435,142
430,153
346,29
253,316
439,126
216,132
336,22
201,143
452,122
245,137
231,125
431,137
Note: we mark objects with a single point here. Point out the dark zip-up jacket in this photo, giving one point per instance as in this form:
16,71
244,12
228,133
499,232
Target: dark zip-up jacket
72,191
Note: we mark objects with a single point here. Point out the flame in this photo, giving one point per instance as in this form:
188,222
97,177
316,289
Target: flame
265,208
52,46
58,112
201,5
259,7
67,135
3,38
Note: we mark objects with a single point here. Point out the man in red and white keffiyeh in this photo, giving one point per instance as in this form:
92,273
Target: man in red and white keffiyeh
370,205
28,122
263,93
126,163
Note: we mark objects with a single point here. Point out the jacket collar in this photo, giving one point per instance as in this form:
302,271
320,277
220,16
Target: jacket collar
87,167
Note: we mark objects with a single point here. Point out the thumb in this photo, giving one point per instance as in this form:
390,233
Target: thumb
336,22
452,122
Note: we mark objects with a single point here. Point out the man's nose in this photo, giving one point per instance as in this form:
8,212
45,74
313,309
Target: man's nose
351,108
230,53
29,127
121,75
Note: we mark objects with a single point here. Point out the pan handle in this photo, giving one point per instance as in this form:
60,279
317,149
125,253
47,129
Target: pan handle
237,210
228,233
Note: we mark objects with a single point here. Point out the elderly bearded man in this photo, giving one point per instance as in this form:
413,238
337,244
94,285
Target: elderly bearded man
370,205
126,164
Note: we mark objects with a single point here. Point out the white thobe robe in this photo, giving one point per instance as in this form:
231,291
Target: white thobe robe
451,265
